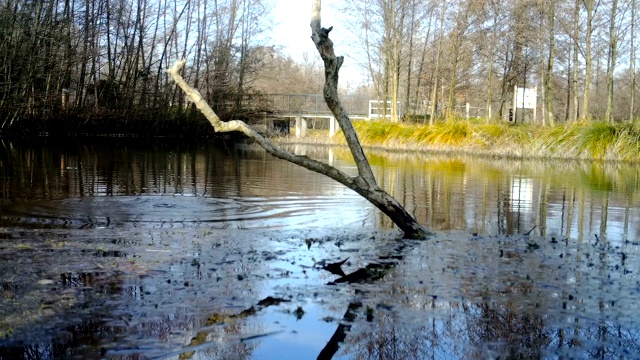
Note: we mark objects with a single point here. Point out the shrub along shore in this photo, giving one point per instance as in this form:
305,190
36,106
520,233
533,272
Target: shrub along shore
580,141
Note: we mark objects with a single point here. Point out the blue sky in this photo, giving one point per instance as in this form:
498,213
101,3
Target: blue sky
291,30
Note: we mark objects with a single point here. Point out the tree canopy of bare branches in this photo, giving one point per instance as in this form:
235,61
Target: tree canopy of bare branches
436,56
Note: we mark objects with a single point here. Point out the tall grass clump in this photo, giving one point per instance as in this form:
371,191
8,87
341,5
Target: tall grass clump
377,132
422,134
449,133
628,143
556,141
502,134
596,139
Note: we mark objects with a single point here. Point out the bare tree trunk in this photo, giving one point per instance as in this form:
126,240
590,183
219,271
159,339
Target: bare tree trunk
570,92
611,62
395,52
505,84
632,62
375,76
407,100
492,50
422,62
365,183
549,70
589,5
574,80
434,90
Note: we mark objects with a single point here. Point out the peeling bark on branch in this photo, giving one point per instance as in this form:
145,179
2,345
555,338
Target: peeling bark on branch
365,183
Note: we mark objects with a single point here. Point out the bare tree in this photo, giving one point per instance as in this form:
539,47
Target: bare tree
590,6
107,57
274,70
465,14
495,8
364,183
423,55
550,11
611,60
575,49
632,62
434,89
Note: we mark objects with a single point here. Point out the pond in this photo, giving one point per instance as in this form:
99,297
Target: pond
129,249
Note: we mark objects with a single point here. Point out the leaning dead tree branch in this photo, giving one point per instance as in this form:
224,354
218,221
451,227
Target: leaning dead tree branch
363,184
332,64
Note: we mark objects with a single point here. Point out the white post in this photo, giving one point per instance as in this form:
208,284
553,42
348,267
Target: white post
515,103
535,104
467,111
65,99
333,126
301,127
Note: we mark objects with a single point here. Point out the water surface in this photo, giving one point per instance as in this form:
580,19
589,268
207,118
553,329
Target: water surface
124,249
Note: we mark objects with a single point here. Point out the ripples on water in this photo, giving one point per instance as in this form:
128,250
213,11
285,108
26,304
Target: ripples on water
123,249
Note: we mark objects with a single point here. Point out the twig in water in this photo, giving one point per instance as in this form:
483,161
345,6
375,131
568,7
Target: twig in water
529,232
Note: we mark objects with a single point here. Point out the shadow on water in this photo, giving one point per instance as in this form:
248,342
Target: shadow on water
148,250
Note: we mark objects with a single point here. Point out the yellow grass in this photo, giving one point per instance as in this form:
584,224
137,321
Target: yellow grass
584,140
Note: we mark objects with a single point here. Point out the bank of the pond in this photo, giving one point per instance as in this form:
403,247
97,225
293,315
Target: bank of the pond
583,141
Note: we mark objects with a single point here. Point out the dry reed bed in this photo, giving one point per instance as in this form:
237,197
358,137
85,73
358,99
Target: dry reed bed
583,140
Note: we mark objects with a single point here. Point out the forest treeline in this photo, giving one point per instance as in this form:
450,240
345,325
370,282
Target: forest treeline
433,57
78,66
74,65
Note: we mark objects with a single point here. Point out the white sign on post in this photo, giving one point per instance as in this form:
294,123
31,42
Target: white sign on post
526,98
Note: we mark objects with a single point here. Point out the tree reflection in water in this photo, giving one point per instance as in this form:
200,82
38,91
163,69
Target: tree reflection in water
480,288
486,331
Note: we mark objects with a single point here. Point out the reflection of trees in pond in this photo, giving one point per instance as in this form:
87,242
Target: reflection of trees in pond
506,197
506,330
223,341
485,330
503,330
67,170
90,332
387,341
120,333
574,200
521,297
88,340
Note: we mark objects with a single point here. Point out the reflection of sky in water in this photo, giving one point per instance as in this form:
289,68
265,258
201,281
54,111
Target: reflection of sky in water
521,195
193,234
299,339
